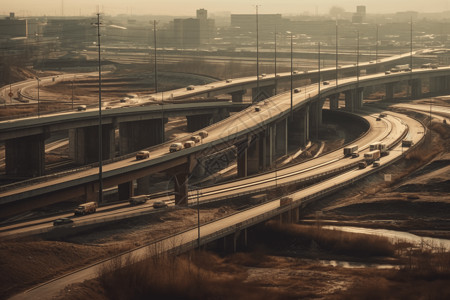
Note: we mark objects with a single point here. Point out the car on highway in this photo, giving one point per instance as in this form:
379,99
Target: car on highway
203,133
228,80
175,147
190,88
387,72
355,154
296,91
142,155
136,200
326,83
196,138
159,204
81,107
376,163
189,144
62,221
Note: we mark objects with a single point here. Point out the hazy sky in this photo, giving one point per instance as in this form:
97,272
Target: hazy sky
188,7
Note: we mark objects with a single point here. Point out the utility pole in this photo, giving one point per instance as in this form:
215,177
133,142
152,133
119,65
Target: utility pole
275,65
100,131
376,48
337,66
357,56
257,55
156,64
292,83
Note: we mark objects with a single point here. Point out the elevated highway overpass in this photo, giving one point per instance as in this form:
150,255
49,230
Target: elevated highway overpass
25,139
260,137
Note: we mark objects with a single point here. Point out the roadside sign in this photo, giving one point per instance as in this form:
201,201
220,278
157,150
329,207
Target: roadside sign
10,94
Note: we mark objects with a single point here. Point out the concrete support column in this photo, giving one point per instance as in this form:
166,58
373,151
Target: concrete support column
349,100
181,189
126,190
298,128
254,155
198,122
242,167
91,192
315,117
281,138
389,91
238,96
358,98
143,186
138,135
334,101
83,144
25,156
416,88
269,147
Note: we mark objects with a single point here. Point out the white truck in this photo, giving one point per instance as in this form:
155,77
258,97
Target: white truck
348,151
380,146
400,68
86,208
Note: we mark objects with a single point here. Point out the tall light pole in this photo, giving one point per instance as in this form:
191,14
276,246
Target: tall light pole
357,56
257,55
72,89
156,65
38,80
376,47
275,58
337,42
292,83
100,135
411,44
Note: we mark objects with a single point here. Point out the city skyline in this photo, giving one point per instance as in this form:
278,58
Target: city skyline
24,8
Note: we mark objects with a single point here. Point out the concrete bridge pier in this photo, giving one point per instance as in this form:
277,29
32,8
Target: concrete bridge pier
334,101
238,96
138,135
358,98
298,128
83,144
238,240
315,118
416,88
291,216
281,138
439,84
349,100
198,122
25,156
254,154
126,190
242,161
389,91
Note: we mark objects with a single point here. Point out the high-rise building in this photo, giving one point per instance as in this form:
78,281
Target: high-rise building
360,15
11,27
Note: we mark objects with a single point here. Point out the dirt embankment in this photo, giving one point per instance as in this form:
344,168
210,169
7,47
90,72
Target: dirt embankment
416,200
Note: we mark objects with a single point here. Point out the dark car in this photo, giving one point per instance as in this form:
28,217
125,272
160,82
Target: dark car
159,204
62,221
355,154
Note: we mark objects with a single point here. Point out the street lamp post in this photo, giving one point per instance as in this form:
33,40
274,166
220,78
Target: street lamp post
100,131
337,42
257,55
38,80
357,56
292,83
